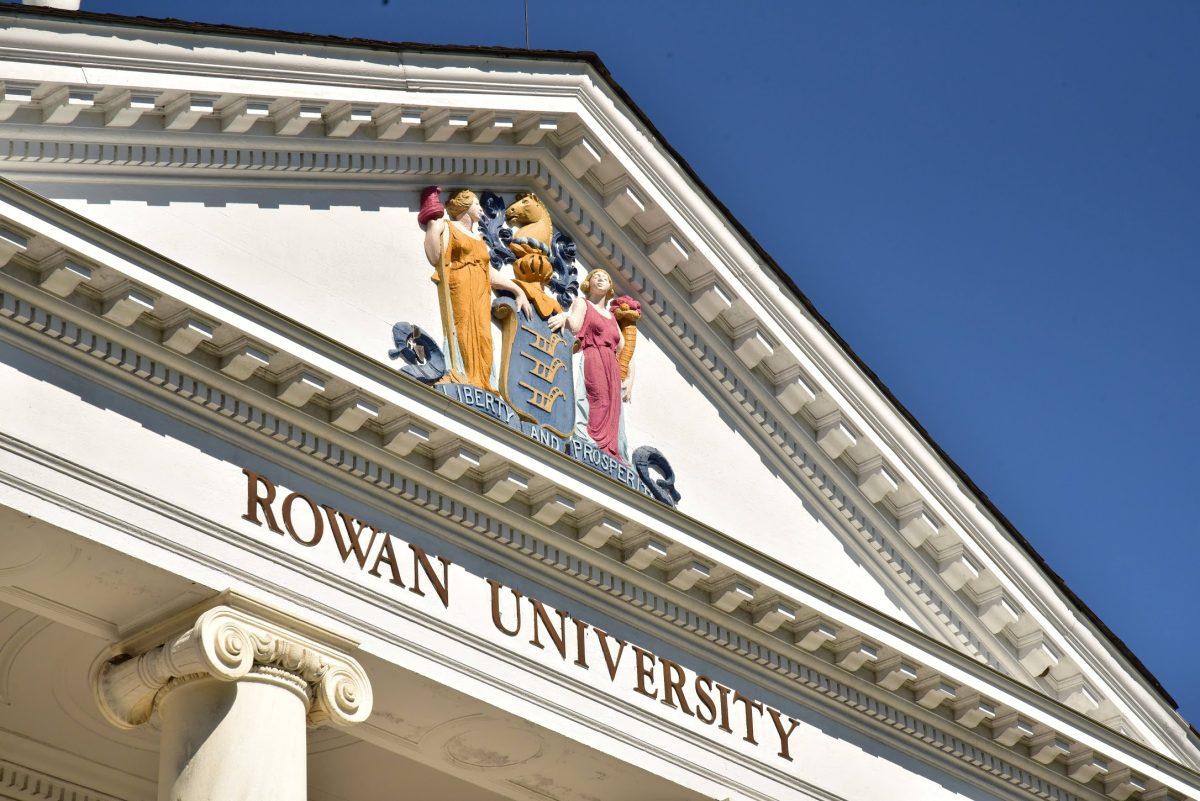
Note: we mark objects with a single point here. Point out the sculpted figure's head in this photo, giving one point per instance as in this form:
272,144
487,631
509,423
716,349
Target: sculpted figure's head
462,201
526,209
600,281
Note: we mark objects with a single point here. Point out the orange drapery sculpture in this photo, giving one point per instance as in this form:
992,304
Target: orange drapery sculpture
464,287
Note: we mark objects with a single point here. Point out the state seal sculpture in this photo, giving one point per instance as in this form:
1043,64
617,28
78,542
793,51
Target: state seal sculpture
572,404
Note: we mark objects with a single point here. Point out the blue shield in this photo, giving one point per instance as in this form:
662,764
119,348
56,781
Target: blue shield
535,368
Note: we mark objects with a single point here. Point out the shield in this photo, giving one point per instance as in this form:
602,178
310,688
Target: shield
535,368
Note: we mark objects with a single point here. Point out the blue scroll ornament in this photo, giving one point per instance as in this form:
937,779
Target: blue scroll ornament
564,283
494,230
647,459
423,359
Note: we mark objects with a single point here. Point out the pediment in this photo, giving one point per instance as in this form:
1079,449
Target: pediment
301,192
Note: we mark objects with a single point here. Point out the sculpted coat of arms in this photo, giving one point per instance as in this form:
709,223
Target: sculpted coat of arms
564,374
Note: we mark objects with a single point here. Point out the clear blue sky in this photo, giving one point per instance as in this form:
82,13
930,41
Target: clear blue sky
997,205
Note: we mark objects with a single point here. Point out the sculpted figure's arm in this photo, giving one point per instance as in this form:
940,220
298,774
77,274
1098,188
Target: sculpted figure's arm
627,384
508,285
572,318
433,240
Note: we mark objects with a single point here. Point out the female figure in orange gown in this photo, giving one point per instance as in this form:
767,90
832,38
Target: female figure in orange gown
465,279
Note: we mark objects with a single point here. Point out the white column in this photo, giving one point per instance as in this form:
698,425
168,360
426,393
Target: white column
235,694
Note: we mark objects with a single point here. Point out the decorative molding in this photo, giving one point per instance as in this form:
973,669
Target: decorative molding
816,675
59,613
26,784
52,764
231,644
19,628
924,729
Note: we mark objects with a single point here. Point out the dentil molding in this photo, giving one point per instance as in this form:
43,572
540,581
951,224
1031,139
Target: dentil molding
598,138
22,783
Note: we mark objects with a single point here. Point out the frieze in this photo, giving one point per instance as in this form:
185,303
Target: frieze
874,534
877,542
566,373
515,614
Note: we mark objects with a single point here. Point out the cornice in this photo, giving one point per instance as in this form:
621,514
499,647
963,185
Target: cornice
149,371
771,336
907,454
811,470
304,157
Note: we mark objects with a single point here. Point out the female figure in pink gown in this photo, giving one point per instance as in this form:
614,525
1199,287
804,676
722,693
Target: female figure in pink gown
600,340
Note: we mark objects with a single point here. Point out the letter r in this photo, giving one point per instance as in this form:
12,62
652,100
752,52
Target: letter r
255,502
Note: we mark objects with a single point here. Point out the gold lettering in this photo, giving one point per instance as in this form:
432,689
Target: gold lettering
546,345
613,664
673,677
318,526
705,695
387,555
580,644
752,706
559,638
644,672
350,543
543,370
496,618
356,541
724,691
543,400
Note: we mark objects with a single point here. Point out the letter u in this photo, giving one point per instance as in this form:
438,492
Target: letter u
496,608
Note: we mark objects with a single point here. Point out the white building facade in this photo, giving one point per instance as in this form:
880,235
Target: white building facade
257,542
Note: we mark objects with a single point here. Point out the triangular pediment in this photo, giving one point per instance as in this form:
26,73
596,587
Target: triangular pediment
307,203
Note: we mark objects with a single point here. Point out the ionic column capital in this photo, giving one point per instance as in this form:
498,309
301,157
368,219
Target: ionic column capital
231,644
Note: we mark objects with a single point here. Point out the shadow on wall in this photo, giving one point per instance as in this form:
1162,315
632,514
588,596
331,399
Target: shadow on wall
399,196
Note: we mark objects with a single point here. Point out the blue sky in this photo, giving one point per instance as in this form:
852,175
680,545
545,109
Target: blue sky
997,205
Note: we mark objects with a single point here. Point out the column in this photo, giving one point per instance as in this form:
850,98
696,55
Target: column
234,693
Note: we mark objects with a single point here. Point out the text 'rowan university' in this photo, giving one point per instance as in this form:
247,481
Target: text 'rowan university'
545,630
